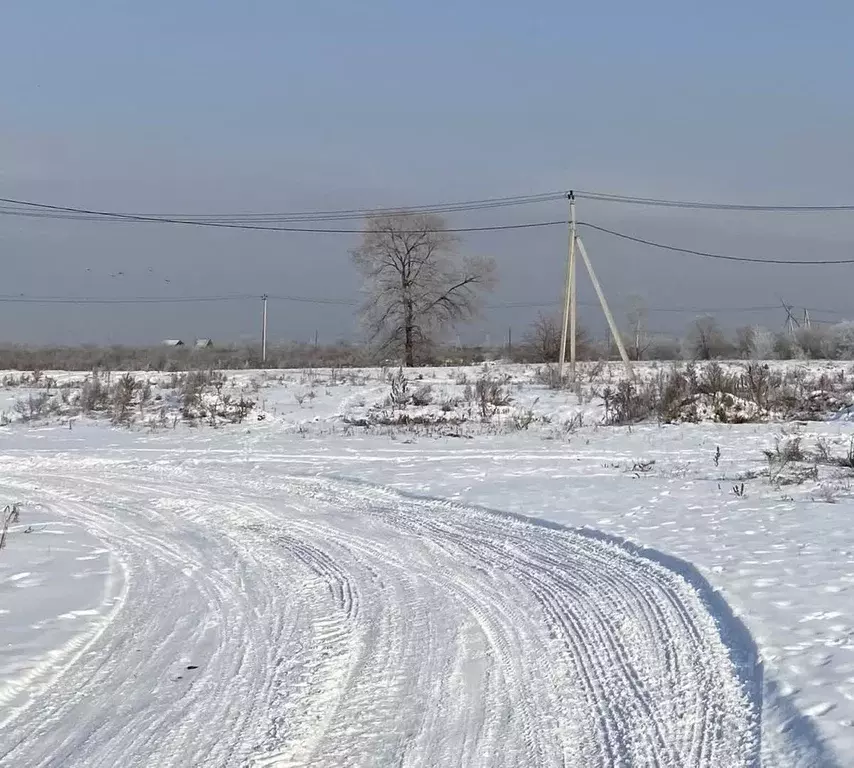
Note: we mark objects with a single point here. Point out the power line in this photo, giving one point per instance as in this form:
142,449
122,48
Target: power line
442,207
309,300
360,213
709,255
266,221
43,210
132,300
84,214
677,310
24,299
346,213
604,197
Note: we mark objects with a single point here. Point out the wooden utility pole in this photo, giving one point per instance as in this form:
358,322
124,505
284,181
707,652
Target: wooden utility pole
568,324
571,304
615,332
264,329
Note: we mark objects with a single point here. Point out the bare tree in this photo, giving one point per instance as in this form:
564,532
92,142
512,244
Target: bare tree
706,339
814,343
762,347
639,340
544,339
745,342
416,282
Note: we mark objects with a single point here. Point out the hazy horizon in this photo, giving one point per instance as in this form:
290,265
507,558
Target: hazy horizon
209,107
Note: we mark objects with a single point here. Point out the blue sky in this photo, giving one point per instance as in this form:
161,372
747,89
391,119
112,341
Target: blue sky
215,106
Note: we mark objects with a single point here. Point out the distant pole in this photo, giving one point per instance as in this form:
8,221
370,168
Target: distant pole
264,330
315,338
509,342
569,292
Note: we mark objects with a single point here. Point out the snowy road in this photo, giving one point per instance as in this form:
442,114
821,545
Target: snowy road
260,619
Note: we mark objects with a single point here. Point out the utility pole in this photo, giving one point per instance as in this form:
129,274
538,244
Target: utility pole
608,316
571,304
510,342
264,330
568,324
573,289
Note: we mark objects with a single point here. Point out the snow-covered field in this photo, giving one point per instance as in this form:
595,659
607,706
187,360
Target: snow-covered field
437,588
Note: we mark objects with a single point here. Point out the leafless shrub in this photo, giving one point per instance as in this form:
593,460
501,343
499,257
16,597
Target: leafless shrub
757,380
242,409
829,491
794,475
628,403
824,454
11,515
714,379
423,395
35,406
402,418
491,394
643,466
522,420
549,375
674,389
573,423
786,449
192,389
785,462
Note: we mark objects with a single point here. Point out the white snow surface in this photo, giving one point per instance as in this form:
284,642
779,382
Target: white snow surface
295,592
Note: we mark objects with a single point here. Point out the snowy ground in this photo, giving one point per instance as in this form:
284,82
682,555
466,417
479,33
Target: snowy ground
300,591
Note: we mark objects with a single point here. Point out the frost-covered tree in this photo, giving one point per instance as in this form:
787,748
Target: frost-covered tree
706,340
842,335
417,283
545,335
744,341
763,344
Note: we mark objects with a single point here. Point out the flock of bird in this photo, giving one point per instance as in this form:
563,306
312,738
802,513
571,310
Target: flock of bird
116,275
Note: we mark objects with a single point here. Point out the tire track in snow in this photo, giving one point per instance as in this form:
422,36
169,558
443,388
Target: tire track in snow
348,625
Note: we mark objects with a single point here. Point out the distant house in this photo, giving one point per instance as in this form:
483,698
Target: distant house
203,343
173,343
